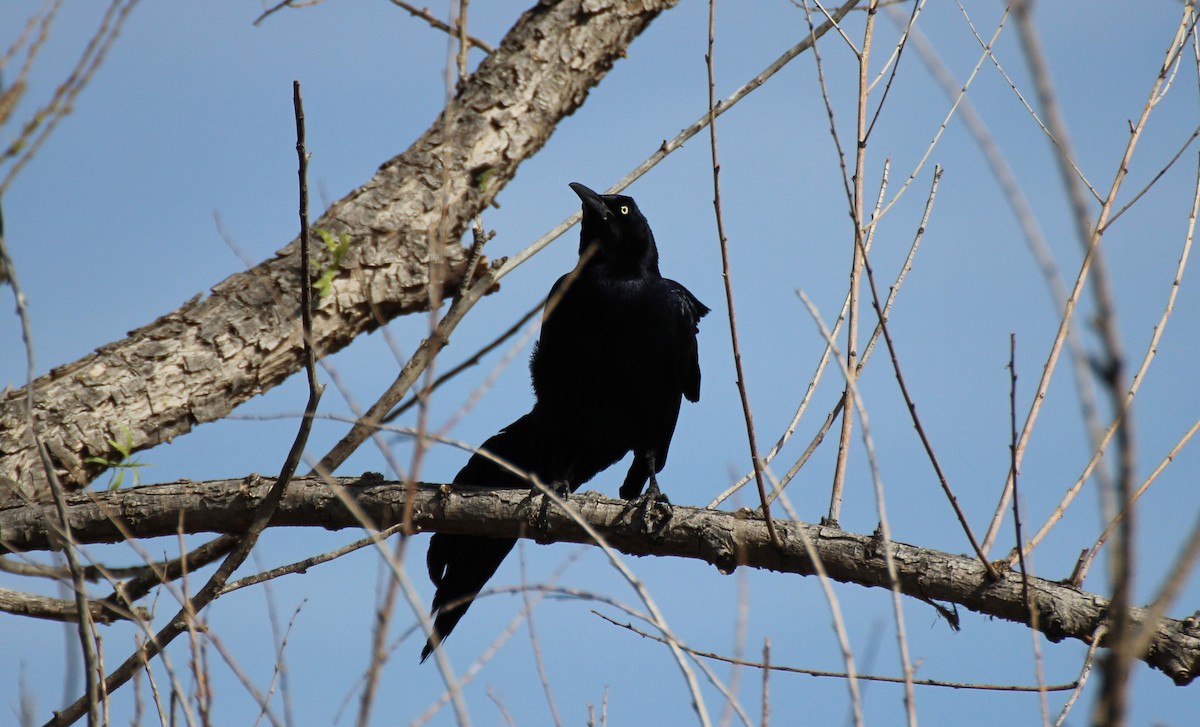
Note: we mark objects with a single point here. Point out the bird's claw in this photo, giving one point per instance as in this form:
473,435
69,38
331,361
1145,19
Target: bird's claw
539,504
653,506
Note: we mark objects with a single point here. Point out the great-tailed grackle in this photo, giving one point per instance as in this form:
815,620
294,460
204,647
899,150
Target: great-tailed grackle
617,353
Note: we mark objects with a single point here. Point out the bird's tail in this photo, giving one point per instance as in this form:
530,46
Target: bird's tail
460,565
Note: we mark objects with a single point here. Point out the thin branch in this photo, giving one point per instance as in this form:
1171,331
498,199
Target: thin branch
1153,180
1086,562
893,63
57,609
821,364
723,241
535,645
422,13
434,22
1012,454
1084,671
856,215
302,566
765,665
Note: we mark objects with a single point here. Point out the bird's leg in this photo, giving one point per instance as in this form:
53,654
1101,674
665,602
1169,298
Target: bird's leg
653,494
558,483
538,504
653,502
641,469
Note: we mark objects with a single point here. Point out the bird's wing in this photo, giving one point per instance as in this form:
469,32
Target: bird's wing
689,310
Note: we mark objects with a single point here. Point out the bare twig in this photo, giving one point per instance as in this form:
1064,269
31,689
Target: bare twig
766,683
1033,613
56,609
543,677
1090,555
302,566
724,244
767,666
1050,132
414,11
857,216
425,15
1012,452
1084,672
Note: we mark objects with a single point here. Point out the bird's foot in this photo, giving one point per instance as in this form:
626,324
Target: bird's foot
653,507
538,515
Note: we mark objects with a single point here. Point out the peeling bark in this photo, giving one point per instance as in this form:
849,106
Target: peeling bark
197,363
724,539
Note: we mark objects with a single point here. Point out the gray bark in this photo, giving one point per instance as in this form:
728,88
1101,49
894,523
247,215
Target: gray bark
724,539
197,363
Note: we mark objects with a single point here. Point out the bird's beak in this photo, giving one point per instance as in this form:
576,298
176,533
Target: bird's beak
592,203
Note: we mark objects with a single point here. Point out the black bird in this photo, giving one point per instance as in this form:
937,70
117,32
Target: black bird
616,355
617,351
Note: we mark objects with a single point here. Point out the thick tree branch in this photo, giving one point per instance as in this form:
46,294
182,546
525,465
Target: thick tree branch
196,363
724,539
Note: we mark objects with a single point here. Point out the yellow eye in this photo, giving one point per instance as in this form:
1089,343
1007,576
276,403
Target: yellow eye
624,209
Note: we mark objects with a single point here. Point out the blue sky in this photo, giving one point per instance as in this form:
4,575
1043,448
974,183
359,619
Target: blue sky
112,224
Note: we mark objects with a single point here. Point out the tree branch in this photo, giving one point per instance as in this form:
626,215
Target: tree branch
724,539
57,609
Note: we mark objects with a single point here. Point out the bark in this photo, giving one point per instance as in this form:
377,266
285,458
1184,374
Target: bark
197,363
56,609
724,539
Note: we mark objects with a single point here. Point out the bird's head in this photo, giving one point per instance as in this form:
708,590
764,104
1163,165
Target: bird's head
615,230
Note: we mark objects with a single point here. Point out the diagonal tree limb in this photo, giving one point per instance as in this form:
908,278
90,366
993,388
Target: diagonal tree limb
195,364
725,539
